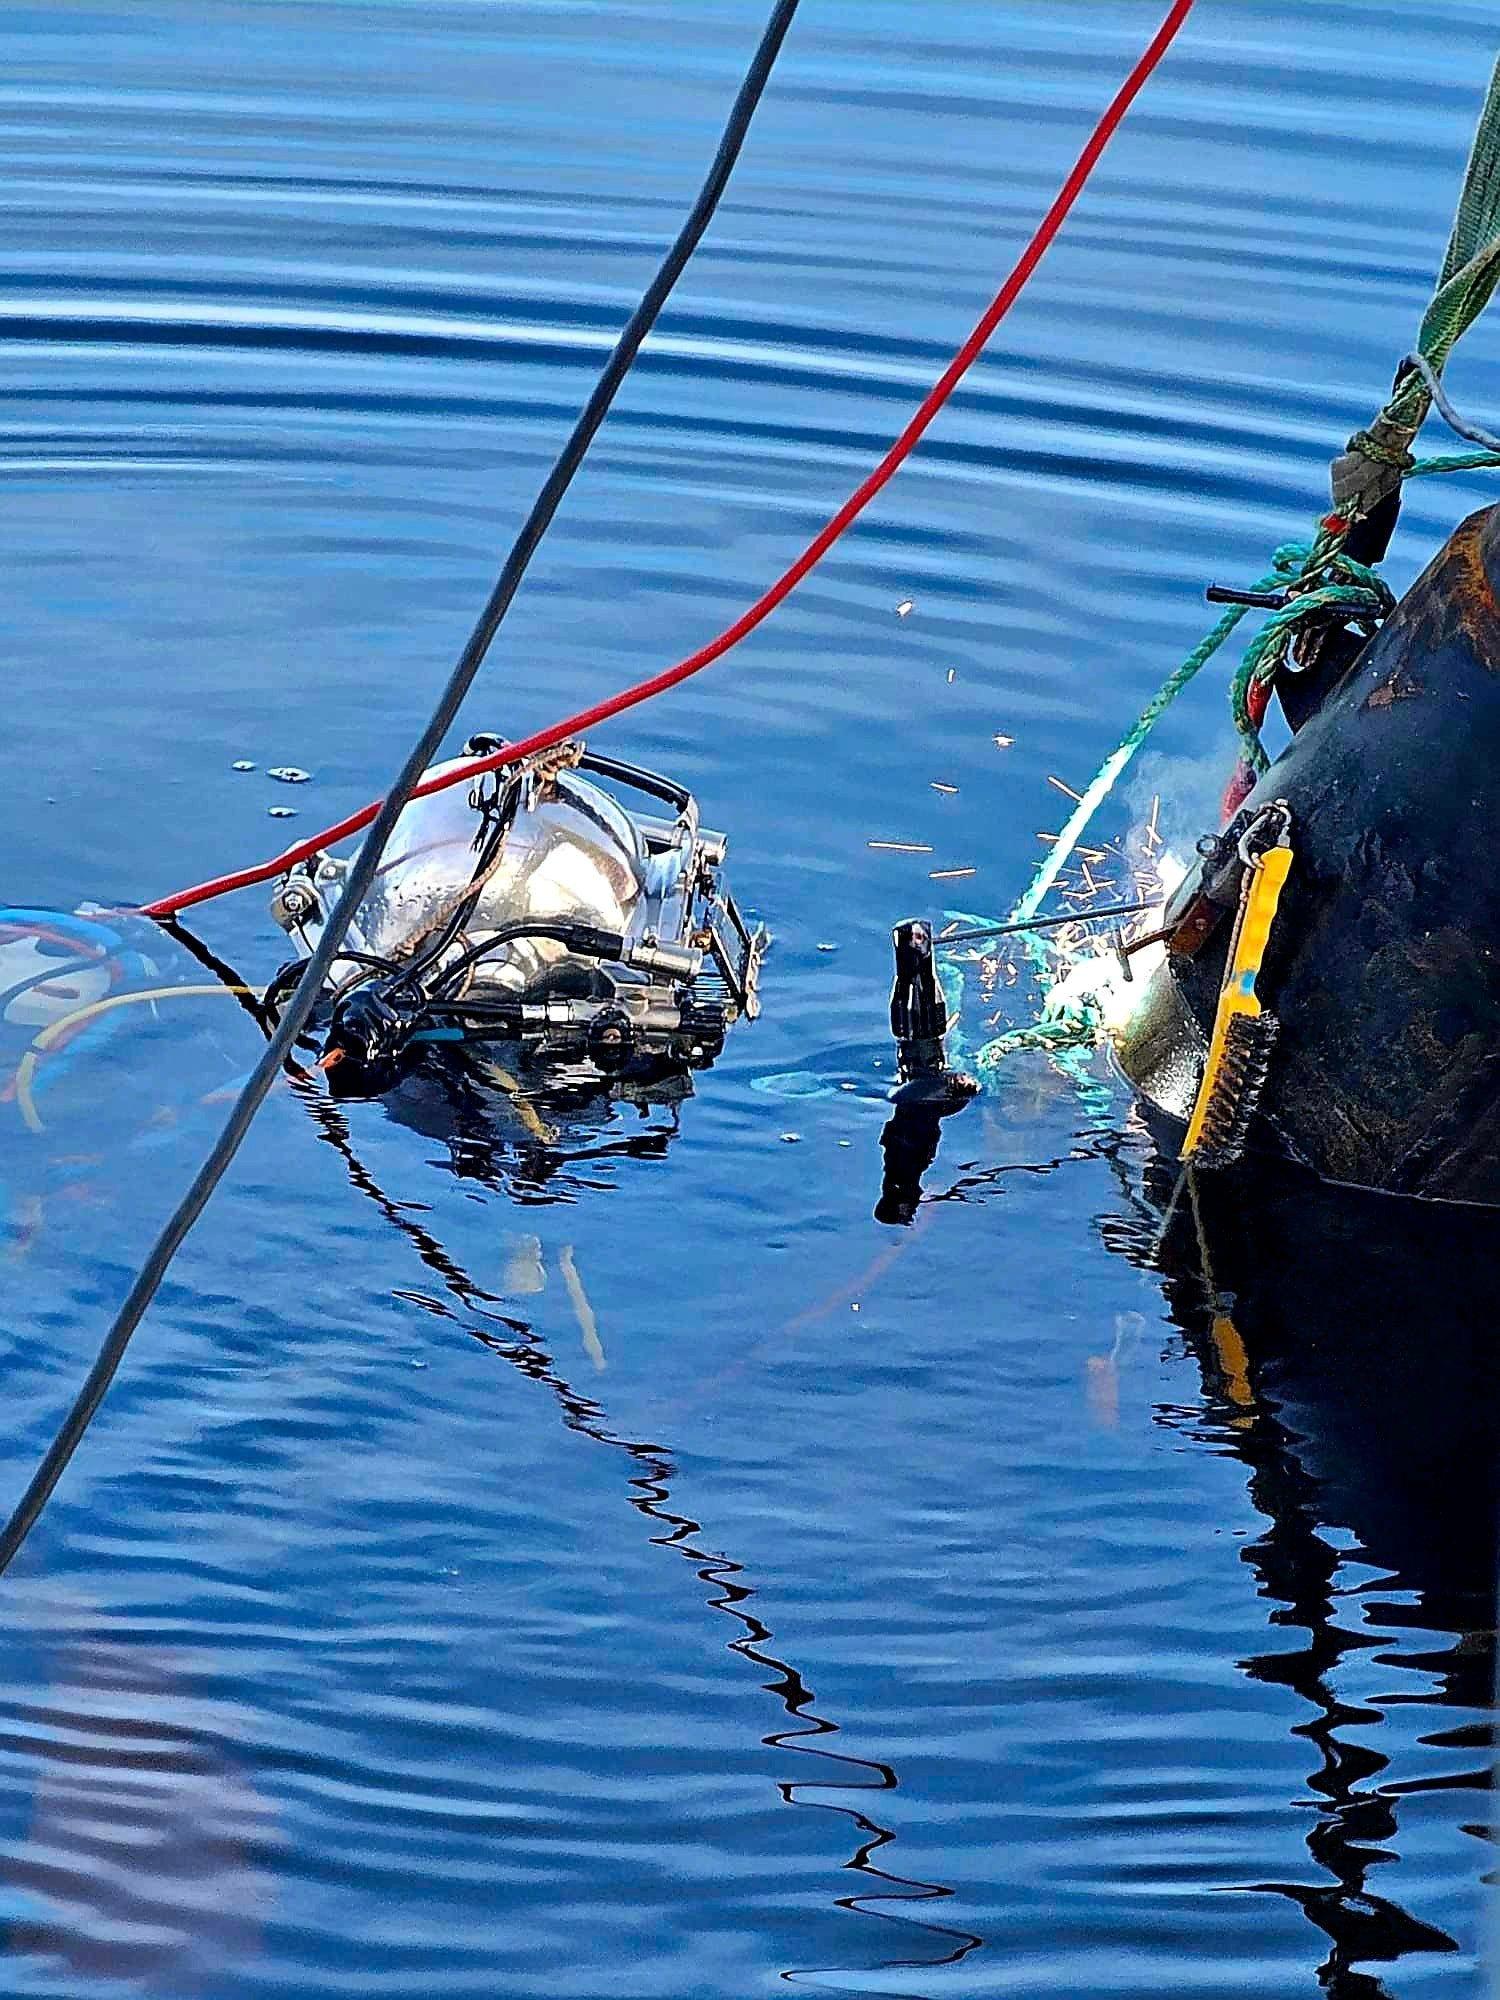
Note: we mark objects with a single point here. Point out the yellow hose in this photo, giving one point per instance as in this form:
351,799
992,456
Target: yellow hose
28,1065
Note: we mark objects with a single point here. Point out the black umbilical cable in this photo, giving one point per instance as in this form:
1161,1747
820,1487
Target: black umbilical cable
357,882
590,939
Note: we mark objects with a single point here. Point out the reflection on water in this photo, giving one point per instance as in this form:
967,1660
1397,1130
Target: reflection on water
650,1479
1347,1350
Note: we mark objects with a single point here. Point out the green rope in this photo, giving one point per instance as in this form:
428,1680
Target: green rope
1455,461
1471,263
1076,1031
1334,582
1377,459
1320,579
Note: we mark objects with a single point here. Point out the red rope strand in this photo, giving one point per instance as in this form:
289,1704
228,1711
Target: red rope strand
817,548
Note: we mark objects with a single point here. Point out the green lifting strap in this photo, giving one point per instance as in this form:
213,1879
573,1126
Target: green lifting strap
1376,460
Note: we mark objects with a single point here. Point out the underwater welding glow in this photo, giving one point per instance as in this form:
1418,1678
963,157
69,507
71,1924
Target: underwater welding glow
1099,980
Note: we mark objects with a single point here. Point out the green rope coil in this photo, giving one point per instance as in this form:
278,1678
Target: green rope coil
1322,580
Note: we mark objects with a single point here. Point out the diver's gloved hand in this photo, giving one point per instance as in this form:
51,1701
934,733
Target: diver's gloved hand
928,1091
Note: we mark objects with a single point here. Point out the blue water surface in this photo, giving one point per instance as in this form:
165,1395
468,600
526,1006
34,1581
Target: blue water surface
623,1565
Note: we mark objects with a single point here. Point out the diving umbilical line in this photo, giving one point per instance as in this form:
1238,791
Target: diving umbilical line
658,975
418,779
654,964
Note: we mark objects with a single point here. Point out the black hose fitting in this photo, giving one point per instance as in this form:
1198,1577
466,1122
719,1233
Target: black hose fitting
919,1022
369,1034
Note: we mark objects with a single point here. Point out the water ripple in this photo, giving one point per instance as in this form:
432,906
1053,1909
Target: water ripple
338,1665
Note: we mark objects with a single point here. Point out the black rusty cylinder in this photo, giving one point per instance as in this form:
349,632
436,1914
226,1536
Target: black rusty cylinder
1384,962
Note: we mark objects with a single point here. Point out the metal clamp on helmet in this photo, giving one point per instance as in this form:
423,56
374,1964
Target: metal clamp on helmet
1211,891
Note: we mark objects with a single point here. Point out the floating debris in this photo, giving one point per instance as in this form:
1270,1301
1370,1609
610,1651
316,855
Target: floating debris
904,846
906,607
288,774
242,764
282,812
525,1270
827,947
949,874
952,675
948,791
791,1138
1002,742
1066,790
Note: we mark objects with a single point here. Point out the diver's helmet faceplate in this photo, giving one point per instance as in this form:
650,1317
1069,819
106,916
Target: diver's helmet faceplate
570,851
552,914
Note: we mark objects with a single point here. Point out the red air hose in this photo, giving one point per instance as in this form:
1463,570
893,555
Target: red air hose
817,548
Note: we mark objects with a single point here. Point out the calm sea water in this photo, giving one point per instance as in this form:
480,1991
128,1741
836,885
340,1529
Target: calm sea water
623,1565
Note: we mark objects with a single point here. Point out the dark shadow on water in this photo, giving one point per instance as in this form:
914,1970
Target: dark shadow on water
1348,1355
1347,1348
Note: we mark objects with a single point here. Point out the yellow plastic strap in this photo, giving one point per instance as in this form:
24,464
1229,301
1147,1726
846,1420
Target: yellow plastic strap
1261,897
